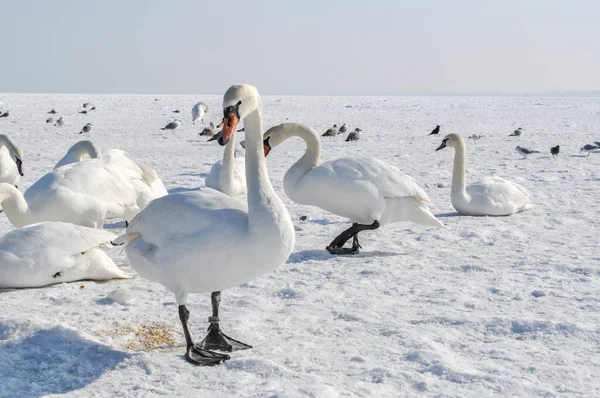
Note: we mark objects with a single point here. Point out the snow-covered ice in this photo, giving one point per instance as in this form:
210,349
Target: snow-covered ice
506,306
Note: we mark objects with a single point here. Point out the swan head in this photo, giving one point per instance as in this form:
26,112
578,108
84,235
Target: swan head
239,101
451,140
19,161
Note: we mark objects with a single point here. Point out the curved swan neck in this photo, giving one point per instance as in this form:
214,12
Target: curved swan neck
9,144
14,205
228,160
311,157
87,148
459,182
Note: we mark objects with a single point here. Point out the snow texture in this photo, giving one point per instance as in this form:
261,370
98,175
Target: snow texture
503,306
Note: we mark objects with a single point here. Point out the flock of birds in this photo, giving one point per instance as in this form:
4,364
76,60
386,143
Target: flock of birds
554,151
171,238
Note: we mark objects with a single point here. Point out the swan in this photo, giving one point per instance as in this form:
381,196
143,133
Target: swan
205,241
54,252
366,190
81,150
83,193
198,112
493,196
144,180
11,161
228,175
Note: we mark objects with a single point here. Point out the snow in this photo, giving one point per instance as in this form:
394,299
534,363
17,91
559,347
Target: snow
506,306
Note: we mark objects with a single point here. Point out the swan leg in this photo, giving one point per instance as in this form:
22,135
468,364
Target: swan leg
193,354
216,339
336,246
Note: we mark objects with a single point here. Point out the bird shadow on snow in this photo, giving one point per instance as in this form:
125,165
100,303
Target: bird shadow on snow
452,214
53,361
324,255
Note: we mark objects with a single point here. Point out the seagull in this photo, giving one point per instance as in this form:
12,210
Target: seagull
555,150
84,111
208,131
597,143
343,129
331,132
86,128
53,111
525,151
354,136
87,105
59,122
475,137
436,130
5,114
198,112
176,111
516,133
49,120
173,125
589,148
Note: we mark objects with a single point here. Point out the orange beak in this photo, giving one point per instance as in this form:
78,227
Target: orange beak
266,146
442,146
229,125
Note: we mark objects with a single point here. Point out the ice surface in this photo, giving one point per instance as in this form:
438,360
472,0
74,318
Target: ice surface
506,306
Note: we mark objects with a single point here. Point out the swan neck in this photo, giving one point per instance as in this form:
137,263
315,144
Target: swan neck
228,159
9,144
14,205
308,161
459,173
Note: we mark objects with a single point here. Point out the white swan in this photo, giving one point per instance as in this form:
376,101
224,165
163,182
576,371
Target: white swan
83,193
492,196
205,241
54,252
228,175
144,180
198,112
82,150
366,190
11,161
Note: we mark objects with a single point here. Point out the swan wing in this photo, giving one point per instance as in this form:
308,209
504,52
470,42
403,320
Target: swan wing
495,193
53,252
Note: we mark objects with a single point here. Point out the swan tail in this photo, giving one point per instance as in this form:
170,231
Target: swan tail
125,239
410,209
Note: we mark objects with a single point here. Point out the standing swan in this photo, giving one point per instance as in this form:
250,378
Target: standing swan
54,252
228,175
206,241
11,161
493,196
198,112
366,190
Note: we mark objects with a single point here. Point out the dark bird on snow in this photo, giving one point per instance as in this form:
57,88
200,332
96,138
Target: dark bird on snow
86,128
343,129
332,132
53,111
5,114
555,150
354,136
525,151
208,131
516,133
436,130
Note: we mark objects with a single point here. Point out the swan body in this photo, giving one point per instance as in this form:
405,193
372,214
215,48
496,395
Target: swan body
198,111
82,150
206,241
54,252
144,180
83,193
228,175
11,161
363,190
492,196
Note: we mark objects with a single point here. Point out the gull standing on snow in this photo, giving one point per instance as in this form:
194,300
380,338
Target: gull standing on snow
354,136
588,148
173,125
331,132
59,122
208,131
343,129
86,129
198,112
516,133
525,151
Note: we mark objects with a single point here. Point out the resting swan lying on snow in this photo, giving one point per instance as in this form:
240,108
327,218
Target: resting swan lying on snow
54,252
11,161
84,193
492,196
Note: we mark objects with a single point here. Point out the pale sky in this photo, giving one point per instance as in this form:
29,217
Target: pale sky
369,47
